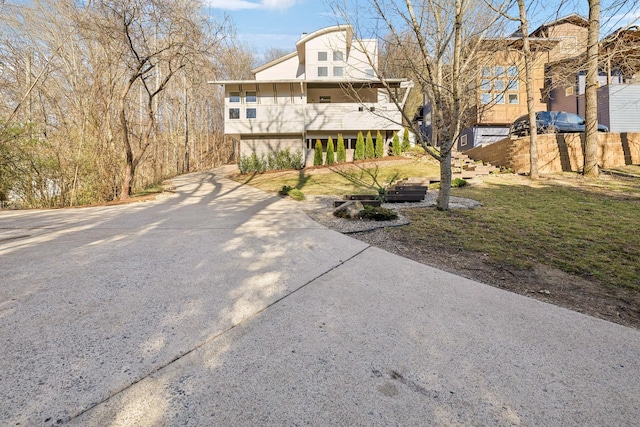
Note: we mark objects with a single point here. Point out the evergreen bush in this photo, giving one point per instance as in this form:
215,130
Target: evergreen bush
359,153
396,148
380,145
369,151
405,140
331,158
317,157
342,153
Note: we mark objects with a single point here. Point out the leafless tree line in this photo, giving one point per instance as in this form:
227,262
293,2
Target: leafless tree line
104,97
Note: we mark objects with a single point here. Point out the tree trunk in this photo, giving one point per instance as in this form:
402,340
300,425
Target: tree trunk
444,193
528,65
129,170
591,93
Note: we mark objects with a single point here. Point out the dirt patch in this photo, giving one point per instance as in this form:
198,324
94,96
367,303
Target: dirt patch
541,282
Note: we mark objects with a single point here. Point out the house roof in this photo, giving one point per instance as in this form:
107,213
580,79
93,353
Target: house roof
573,18
536,43
318,83
300,45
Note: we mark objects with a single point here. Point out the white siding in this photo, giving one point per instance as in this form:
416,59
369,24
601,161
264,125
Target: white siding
348,117
624,104
265,145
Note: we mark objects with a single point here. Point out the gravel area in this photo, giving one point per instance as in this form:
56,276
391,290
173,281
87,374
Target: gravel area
320,209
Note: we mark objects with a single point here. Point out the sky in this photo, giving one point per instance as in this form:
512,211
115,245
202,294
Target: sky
275,23
280,23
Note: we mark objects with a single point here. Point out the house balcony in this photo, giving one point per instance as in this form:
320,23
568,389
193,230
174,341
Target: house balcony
300,118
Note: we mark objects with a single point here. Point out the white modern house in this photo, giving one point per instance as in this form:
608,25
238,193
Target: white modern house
326,87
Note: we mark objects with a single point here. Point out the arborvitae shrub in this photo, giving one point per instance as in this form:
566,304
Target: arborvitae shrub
317,157
405,140
342,153
359,154
380,145
331,158
396,148
369,151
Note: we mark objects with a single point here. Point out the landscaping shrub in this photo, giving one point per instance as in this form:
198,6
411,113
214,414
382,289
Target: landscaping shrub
317,157
252,163
275,160
459,182
284,191
406,144
296,194
284,159
331,158
378,213
342,153
380,143
396,148
369,150
359,153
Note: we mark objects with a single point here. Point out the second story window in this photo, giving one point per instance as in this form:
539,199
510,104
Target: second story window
338,71
234,96
337,55
234,113
323,71
251,97
322,56
251,113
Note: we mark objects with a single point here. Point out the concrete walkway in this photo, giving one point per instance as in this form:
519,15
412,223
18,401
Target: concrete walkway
222,305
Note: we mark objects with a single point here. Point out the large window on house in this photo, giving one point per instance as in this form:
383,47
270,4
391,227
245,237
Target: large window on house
498,71
251,113
322,56
513,85
513,98
499,98
234,96
323,71
234,113
498,85
512,71
338,71
251,97
485,98
337,55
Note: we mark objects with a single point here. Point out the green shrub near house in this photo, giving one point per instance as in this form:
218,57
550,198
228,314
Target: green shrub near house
331,157
359,153
317,157
342,153
369,150
380,145
406,144
396,148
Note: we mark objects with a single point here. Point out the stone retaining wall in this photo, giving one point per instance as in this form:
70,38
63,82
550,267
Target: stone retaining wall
560,152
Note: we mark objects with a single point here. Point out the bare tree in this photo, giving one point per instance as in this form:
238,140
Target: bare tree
440,40
591,94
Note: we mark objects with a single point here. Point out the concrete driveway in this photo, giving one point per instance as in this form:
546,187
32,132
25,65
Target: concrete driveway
223,305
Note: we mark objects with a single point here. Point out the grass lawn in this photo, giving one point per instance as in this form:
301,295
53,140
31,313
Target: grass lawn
583,227
341,179
589,228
